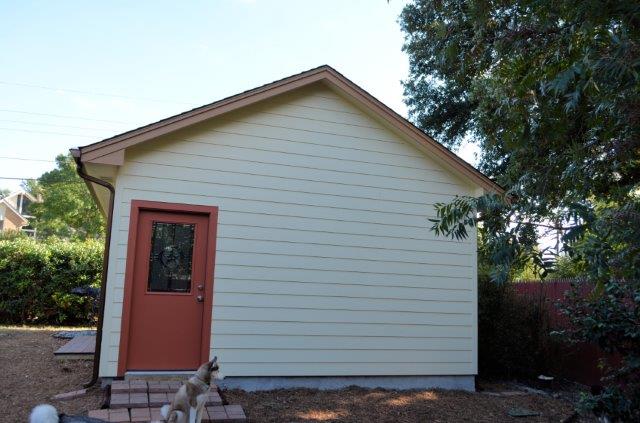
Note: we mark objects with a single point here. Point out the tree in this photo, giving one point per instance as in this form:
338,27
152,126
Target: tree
67,209
550,91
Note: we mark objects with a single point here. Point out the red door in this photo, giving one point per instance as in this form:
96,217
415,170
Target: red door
169,291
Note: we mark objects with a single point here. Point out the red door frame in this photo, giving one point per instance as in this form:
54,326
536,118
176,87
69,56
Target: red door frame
136,207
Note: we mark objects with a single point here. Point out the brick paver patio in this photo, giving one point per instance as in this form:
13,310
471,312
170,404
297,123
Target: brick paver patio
140,401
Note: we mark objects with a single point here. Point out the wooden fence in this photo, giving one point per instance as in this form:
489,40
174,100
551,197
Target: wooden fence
579,362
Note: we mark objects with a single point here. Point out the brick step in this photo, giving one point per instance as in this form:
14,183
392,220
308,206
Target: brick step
138,386
141,394
214,413
153,399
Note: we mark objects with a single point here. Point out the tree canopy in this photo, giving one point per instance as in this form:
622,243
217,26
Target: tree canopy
550,91
67,209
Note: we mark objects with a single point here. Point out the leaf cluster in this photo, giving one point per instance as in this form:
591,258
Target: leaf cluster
67,209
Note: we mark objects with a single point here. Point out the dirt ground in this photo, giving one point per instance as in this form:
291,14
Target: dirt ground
365,405
29,375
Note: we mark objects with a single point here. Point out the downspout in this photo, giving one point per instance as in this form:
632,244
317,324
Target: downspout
105,263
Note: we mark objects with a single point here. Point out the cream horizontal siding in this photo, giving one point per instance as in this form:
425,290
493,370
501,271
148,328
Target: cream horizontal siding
325,264
334,315
293,168
292,219
343,355
344,330
324,367
298,203
315,342
276,249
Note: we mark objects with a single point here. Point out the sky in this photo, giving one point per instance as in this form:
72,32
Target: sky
76,72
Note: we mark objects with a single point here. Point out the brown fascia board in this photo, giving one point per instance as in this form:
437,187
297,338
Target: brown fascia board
326,74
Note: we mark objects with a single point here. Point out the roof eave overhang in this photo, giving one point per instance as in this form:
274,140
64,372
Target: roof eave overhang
77,154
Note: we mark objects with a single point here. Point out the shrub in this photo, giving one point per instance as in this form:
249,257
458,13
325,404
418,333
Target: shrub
11,234
513,333
36,279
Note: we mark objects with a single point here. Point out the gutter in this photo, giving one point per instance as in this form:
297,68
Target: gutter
105,262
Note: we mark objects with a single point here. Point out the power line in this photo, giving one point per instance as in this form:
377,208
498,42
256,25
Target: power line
36,179
54,125
63,116
49,133
26,159
18,179
43,87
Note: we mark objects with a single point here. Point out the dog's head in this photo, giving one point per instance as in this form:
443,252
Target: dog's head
208,371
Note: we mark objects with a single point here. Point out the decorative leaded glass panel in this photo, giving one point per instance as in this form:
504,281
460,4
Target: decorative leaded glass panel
170,257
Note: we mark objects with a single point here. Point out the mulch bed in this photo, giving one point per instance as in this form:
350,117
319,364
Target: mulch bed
29,375
366,405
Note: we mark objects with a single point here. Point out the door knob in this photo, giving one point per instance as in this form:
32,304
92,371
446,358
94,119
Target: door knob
200,298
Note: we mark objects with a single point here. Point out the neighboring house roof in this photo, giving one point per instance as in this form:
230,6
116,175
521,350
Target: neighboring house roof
8,206
111,150
21,192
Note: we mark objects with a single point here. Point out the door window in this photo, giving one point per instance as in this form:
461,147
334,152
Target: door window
171,256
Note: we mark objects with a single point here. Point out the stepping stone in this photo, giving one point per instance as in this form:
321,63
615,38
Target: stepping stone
158,399
119,415
99,414
129,400
215,413
138,400
70,395
226,413
235,411
119,386
140,414
138,386
159,386
80,347
174,385
155,414
119,400
213,398
144,400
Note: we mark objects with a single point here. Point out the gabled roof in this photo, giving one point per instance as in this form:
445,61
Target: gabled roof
111,150
9,206
23,192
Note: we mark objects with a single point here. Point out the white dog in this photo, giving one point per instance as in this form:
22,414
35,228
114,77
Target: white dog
46,413
188,404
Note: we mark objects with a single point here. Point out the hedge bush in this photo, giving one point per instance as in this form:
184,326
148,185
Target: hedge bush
36,279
